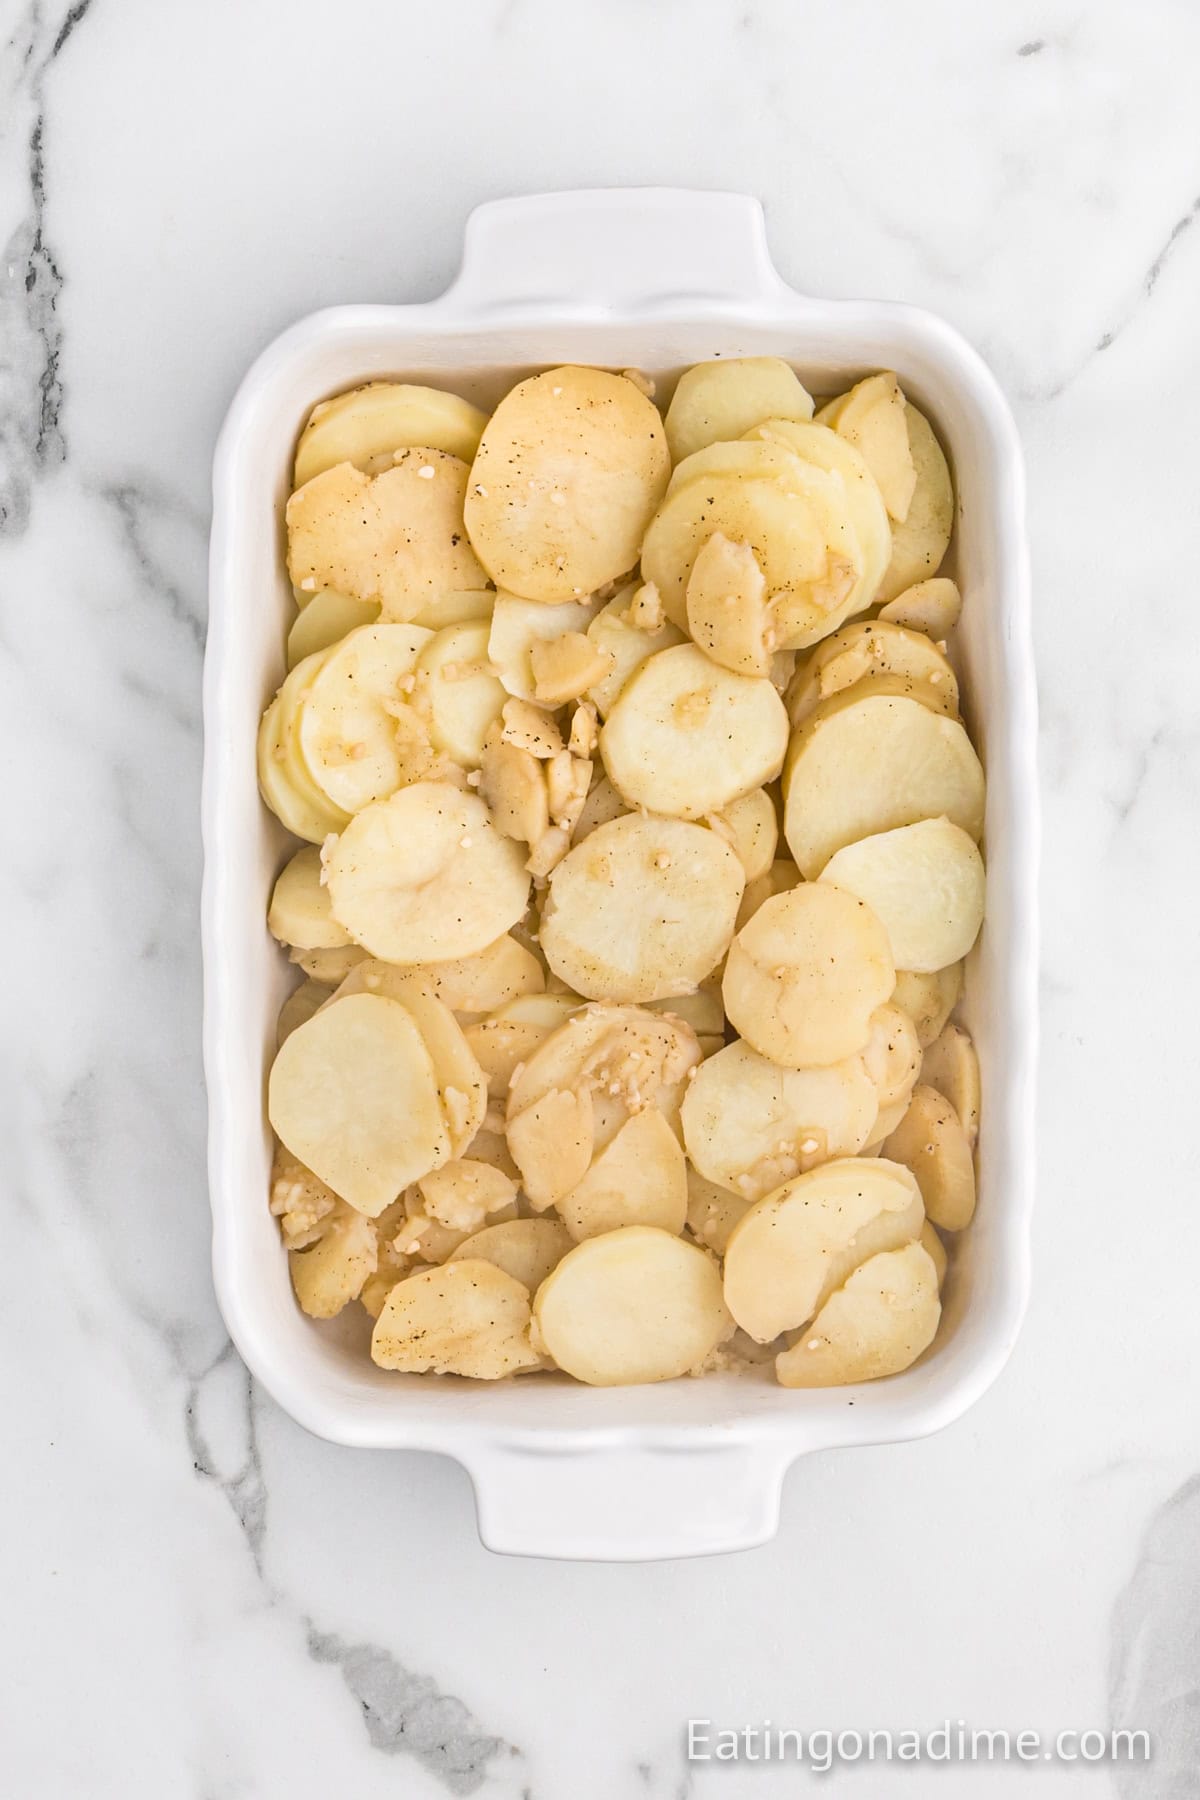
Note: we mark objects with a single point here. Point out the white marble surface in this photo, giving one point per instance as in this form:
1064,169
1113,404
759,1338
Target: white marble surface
199,1600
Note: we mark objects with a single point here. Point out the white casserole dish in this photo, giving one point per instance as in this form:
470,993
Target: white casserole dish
657,279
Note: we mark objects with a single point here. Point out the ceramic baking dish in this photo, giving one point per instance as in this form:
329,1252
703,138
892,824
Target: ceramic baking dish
656,279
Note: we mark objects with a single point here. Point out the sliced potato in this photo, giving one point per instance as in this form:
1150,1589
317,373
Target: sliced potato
712,1211
517,625
928,999
892,1056
868,761
462,1194
750,827
627,643
931,606
329,967
920,543
796,1246
284,780
464,1318
347,722
569,470
425,876
566,667
727,610
397,537
872,418
512,1034
750,1125
526,1249
805,974
886,1121
780,878
513,785
300,1200
299,1006
951,1065
455,606
642,910
638,1179
551,1141
602,805
490,979
868,649
716,401
354,1095
456,692
331,1272
299,911
866,512
687,738
328,617
878,1324
624,1056
932,1244
930,1141
925,883
372,421
631,1306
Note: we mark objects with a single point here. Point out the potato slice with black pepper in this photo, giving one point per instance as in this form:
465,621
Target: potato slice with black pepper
876,1325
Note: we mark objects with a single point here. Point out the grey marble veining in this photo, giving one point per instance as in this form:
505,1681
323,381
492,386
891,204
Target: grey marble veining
233,1609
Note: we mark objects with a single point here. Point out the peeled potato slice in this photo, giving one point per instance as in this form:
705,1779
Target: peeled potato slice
551,1141
299,911
867,762
934,1248
462,1194
425,876
569,470
751,829
564,668
517,625
526,1249
329,1273
602,805
930,1141
328,617
805,974
716,401
479,984
686,737
397,538
952,1067
750,1125
514,787
878,1324
641,910
796,1246
464,1318
300,1006
330,967
866,512
931,606
872,418
383,416
920,543
510,1037
864,651
631,1306
347,725
892,1056
727,612
284,780
624,1057
712,1211
928,999
925,884
626,644
456,606
354,1095
456,692
780,878
639,1179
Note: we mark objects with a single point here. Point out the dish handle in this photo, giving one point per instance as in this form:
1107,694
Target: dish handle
619,1504
604,250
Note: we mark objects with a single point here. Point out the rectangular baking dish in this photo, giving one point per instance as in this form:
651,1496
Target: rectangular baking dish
657,279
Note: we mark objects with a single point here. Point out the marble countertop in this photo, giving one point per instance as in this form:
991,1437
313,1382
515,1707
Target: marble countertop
200,1600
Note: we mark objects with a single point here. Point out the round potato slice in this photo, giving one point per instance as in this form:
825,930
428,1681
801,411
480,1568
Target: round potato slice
509,1038
642,910
871,417
299,911
920,543
284,780
796,1246
569,470
952,1067
750,1125
865,650
347,722
928,999
517,625
866,762
631,1306
425,877
330,967
354,1095
727,609
383,416
932,1244
687,738
461,606
502,972
712,1211
930,606
877,1325
804,976
627,644
328,617
925,883
465,1318
602,805
892,1056
780,878
638,1179
717,401
331,1271
526,1249
751,829
930,1141
456,692
299,1007
867,514
397,538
